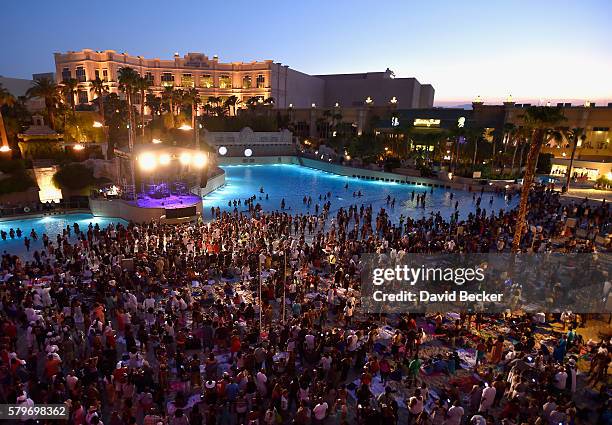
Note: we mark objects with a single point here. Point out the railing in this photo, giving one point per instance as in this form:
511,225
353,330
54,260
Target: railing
33,208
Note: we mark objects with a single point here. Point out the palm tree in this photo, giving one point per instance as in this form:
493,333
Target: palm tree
99,89
154,103
49,91
208,109
128,78
178,96
252,102
69,89
575,135
142,85
7,99
215,101
475,134
540,120
168,95
193,98
230,104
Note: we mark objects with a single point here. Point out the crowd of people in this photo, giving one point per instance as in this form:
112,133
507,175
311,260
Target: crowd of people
253,318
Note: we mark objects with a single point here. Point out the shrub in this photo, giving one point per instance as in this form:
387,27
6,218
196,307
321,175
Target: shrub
74,177
17,182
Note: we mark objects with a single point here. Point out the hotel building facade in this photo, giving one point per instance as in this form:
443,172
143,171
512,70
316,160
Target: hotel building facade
262,79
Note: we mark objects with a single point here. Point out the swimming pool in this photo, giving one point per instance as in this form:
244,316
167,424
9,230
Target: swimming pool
293,182
51,225
283,181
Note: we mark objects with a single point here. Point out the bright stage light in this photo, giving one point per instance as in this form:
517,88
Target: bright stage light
156,141
248,152
185,127
199,160
185,158
164,159
148,161
222,150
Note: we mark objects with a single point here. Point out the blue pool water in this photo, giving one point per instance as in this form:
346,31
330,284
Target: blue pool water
51,225
293,182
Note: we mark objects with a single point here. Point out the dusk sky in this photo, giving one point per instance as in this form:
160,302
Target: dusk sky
534,50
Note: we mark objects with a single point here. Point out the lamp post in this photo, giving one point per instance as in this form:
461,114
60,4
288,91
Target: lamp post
187,127
284,287
262,258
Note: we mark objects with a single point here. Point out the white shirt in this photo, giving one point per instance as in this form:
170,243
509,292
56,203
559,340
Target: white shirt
310,340
415,405
320,410
455,413
560,380
478,420
488,396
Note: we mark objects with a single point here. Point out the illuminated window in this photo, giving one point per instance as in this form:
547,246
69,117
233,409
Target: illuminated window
80,74
187,80
66,75
167,79
261,81
206,81
246,82
225,82
82,96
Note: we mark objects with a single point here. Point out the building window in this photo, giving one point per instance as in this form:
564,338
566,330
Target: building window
150,78
80,74
105,75
187,80
167,79
66,75
82,96
246,82
97,74
206,81
261,81
225,82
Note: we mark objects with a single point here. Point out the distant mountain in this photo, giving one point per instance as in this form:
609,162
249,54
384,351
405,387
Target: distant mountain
447,104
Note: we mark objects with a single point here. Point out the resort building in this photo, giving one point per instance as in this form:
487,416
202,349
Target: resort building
593,157
260,79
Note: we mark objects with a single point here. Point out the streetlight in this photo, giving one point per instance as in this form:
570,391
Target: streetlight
393,100
185,158
164,159
199,160
222,150
262,259
369,100
147,161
